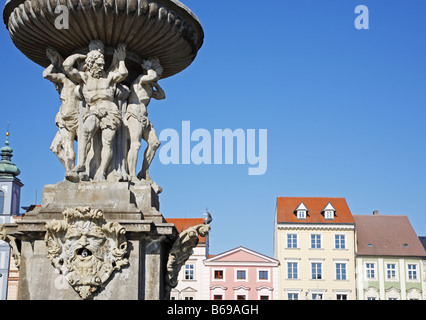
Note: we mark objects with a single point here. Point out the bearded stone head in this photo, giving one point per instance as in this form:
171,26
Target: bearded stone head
95,63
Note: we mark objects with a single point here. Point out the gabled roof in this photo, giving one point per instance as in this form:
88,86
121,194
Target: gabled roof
286,208
182,224
387,236
242,255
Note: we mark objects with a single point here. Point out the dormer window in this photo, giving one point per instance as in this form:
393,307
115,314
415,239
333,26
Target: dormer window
329,212
301,211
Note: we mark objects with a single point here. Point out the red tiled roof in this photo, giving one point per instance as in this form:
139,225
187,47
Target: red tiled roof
182,224
387,236
286,210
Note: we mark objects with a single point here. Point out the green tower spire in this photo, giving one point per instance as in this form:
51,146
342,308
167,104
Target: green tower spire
7,168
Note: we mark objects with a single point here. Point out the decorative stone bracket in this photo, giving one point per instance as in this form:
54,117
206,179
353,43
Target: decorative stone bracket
181,251
12,243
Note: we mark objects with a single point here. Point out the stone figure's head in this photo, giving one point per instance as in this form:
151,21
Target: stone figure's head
95,63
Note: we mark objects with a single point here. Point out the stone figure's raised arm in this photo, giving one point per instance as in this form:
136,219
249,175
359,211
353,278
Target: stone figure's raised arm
53,71
50,75
158,93
120,73
151,75
69,68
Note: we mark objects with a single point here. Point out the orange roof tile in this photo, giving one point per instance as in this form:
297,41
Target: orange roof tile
286,210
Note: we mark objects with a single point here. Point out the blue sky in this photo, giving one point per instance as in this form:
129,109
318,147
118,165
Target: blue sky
344,109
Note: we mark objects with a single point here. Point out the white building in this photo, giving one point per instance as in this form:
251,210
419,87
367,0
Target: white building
10,194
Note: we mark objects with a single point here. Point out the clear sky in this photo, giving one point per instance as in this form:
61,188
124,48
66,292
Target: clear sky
344,110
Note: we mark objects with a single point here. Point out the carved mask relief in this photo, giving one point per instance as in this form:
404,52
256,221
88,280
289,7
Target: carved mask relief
85,248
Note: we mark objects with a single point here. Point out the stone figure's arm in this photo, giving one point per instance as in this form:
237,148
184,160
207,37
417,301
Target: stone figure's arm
150,77
120,73
72,72
53,76
158,93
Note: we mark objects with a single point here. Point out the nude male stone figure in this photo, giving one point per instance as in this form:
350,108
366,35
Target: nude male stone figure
98,88
67,117
142,90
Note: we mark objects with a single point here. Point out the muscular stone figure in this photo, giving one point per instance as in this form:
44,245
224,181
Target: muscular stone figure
142,90
98,88
67,117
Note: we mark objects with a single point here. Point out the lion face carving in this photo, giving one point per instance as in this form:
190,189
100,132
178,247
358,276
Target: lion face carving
85,248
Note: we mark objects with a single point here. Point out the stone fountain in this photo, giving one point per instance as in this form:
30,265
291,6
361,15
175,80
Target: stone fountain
99,233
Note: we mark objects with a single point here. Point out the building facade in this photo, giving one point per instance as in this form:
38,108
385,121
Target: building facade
314,241
190,279
390,262
10,195
241,274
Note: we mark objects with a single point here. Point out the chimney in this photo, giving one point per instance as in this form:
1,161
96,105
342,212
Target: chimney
375,212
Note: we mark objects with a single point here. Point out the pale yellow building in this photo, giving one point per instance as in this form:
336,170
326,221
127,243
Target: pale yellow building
314,241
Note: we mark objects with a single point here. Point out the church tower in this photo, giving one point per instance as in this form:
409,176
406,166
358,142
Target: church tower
10,195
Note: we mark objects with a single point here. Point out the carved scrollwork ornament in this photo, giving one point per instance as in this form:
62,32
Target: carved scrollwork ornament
181,250
85,248
12,243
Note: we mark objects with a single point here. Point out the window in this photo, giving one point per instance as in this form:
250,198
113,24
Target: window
292,270
217,297
241,297
292,296
329,211
341,297
301,214
218,274
315,241
339,241
301,211
370,270
189,298
412,272
189,272
1,202
241,274
340,271
317,296
292,241
263,275
329,214
391,271
316,271
264,297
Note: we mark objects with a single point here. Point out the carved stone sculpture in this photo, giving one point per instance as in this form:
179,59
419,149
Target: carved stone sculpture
182,250
67,118
85,248
12,243
142,90
99,88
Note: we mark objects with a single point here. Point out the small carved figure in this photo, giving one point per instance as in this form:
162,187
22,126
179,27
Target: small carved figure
142,90
98,87
67,118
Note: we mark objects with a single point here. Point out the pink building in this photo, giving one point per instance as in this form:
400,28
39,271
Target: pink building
241,274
